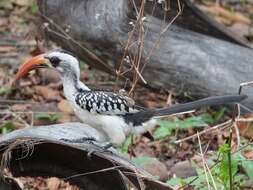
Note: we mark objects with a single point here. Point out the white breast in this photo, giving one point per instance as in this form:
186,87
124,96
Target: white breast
114,127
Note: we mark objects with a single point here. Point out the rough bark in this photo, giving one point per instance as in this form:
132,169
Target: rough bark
41,151
185,60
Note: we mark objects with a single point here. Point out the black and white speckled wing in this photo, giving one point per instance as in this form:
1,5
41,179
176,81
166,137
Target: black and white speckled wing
103,102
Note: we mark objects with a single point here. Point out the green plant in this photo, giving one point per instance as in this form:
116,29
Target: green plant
5,90
33,7
166,127
248,167
243,2
7,127
82,65
125,146
219,176
47,116
223,166
246,164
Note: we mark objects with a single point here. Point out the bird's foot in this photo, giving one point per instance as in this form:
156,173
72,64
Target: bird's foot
89,140
104,148
100,148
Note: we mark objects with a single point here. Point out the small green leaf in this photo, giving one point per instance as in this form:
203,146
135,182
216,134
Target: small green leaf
46,116
82,64
248,167
164,129
174,181
42,116
124,147
223,166
196,122
33,7
219,114
7,127
5,90
224,149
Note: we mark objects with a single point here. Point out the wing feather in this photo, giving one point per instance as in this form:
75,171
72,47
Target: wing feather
103,102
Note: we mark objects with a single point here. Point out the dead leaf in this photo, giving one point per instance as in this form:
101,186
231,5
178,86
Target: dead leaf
169,100
245,128
65,107
3,22
248,155
53,183
156,168
21,2
48,93
65,118
142,149
224,21
6,4
39,122
20,107
72,188
6,49
220,11
240,29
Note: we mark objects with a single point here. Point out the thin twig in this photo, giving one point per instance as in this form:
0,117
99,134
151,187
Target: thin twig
66,36
203,161
174,19
237,135
246,108
93,172
208,130
215,164
136,60
230,159
210,173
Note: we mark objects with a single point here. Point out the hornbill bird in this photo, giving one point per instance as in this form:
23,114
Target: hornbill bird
114,114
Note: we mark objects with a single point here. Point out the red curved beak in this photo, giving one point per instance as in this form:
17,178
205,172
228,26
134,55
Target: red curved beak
38,61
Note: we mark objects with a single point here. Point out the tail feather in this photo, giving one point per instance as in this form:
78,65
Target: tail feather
206,102
140,117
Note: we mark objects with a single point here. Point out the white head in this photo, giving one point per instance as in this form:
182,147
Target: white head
63,62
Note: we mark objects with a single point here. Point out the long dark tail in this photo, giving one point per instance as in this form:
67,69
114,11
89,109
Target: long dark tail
206,102
142,116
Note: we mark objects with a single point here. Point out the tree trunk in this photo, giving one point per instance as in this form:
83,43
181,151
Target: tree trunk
186,59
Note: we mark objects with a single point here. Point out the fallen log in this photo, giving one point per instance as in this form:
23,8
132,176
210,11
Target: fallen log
185,61
52,151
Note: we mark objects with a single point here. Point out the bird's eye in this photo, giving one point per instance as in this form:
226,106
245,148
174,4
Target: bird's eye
55,61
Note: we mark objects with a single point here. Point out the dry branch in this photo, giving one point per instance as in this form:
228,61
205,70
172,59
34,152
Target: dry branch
185,61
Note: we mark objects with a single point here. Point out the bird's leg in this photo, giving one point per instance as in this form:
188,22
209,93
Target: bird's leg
131,149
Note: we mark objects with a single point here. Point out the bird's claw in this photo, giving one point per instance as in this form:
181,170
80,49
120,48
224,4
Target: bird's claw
104,148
